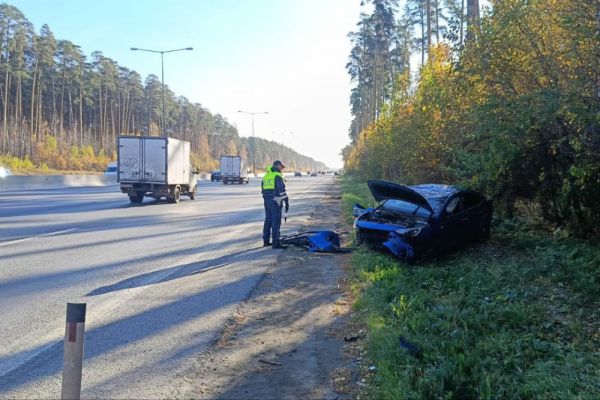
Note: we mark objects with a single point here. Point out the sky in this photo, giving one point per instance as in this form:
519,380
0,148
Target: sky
285,57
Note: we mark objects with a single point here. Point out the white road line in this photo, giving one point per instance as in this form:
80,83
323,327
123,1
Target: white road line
37,236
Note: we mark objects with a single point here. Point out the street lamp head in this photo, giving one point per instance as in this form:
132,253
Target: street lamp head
189,48
134,48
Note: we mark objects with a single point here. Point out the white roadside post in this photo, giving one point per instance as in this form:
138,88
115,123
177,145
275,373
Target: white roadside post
73,357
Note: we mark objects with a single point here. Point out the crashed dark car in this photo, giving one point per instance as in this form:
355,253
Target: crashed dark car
416,221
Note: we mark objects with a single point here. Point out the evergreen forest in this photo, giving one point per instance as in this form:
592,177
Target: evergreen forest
505,100
62,110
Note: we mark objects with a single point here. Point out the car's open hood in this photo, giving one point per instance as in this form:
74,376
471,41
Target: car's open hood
383,190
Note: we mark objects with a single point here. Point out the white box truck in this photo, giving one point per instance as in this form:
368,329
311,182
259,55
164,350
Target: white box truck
155,166
234,170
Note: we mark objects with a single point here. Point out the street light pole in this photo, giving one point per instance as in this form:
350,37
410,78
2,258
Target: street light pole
162,73
253,139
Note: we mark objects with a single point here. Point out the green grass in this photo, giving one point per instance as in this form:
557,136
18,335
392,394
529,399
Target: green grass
513,318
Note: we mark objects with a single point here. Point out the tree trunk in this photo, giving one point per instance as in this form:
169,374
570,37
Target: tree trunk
428,13
472,16
31,110
81,115
462,20
5,100
62,102
422,35
437,22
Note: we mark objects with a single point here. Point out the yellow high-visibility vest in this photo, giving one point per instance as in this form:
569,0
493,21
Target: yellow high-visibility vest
269,180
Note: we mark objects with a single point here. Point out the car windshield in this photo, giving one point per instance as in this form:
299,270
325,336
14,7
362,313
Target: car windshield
404,207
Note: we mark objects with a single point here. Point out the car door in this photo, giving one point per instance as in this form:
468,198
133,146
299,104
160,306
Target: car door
478,214
455,223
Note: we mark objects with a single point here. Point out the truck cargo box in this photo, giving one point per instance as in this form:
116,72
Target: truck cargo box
234,169
156,167
148,159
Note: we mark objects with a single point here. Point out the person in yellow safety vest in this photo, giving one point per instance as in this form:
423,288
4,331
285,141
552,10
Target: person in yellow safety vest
274,197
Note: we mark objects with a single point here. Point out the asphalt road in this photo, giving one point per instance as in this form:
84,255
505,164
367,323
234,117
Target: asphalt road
159,279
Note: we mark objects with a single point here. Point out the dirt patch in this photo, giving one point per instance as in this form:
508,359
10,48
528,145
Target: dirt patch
291,339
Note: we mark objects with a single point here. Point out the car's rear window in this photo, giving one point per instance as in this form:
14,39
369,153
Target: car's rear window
111,169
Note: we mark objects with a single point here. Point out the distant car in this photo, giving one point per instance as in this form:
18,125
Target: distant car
414,221
111,169
336,172
4,172
215,176
313,174
297,173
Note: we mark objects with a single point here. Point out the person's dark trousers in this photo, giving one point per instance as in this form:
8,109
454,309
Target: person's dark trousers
269,205
275,224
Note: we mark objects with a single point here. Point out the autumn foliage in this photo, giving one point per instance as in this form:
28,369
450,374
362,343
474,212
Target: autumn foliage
515,112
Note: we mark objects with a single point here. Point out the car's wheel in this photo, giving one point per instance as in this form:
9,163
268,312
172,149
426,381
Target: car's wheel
192,194
359,238
485,231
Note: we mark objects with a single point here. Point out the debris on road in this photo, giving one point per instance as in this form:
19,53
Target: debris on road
413,349
268,362
316,241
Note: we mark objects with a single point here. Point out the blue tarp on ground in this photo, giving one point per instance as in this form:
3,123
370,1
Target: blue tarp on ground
319,240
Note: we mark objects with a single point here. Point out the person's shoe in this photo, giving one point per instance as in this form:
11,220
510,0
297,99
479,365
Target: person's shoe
279,246
266,244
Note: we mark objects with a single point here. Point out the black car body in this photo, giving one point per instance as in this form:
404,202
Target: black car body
215,176
413,221
297,173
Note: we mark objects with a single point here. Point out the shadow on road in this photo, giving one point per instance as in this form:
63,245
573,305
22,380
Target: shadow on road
176,272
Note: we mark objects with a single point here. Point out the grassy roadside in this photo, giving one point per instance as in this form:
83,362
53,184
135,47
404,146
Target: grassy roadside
515,317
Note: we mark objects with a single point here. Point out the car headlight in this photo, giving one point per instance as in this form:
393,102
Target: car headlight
412,232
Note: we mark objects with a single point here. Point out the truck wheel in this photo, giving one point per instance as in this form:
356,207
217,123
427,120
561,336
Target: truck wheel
174,198
192,194
136,198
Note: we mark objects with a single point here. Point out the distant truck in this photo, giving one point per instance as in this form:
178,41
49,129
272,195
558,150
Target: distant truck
155,167
234,170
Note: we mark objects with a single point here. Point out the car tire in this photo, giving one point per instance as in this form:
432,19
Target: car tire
359,238
485,231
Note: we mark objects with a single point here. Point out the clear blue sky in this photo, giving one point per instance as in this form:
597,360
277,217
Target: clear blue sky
286,57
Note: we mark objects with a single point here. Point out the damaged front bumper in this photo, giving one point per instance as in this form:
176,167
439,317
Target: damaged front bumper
399,247
396,239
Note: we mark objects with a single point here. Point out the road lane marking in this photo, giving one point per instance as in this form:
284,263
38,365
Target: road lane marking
38,236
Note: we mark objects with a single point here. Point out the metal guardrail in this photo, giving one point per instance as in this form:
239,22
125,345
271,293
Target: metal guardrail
24,182
16,182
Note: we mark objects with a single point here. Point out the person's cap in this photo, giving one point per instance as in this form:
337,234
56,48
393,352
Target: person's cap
278,163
